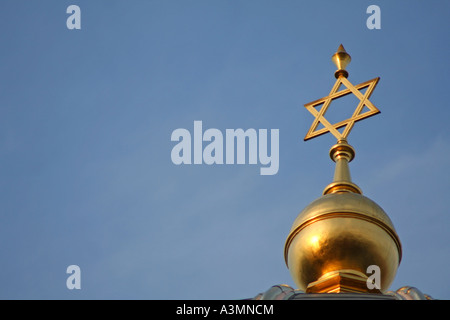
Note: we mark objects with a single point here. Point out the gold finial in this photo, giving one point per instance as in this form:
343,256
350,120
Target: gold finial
336,238
342,59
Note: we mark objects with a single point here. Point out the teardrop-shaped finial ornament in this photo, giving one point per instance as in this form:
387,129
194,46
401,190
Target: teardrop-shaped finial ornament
341,59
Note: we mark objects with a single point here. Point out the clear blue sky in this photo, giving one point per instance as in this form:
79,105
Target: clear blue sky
86,117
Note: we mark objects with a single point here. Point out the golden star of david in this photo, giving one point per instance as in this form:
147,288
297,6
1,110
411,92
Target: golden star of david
335,94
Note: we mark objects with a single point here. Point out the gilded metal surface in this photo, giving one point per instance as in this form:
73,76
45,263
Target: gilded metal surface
344,203
342,153
341,59
341,281
342,231
335,94
337,237
338,242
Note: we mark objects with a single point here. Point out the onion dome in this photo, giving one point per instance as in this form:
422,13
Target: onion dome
336,239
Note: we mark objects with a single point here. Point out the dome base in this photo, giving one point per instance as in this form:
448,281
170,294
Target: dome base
341,281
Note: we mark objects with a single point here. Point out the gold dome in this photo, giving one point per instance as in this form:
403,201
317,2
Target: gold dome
342,232
338,236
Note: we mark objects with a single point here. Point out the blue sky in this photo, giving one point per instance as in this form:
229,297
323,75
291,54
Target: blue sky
86,118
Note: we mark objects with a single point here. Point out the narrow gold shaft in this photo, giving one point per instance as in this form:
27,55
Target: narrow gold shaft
342,153
342,171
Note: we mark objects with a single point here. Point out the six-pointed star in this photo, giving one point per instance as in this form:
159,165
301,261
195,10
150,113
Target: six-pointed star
334,94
